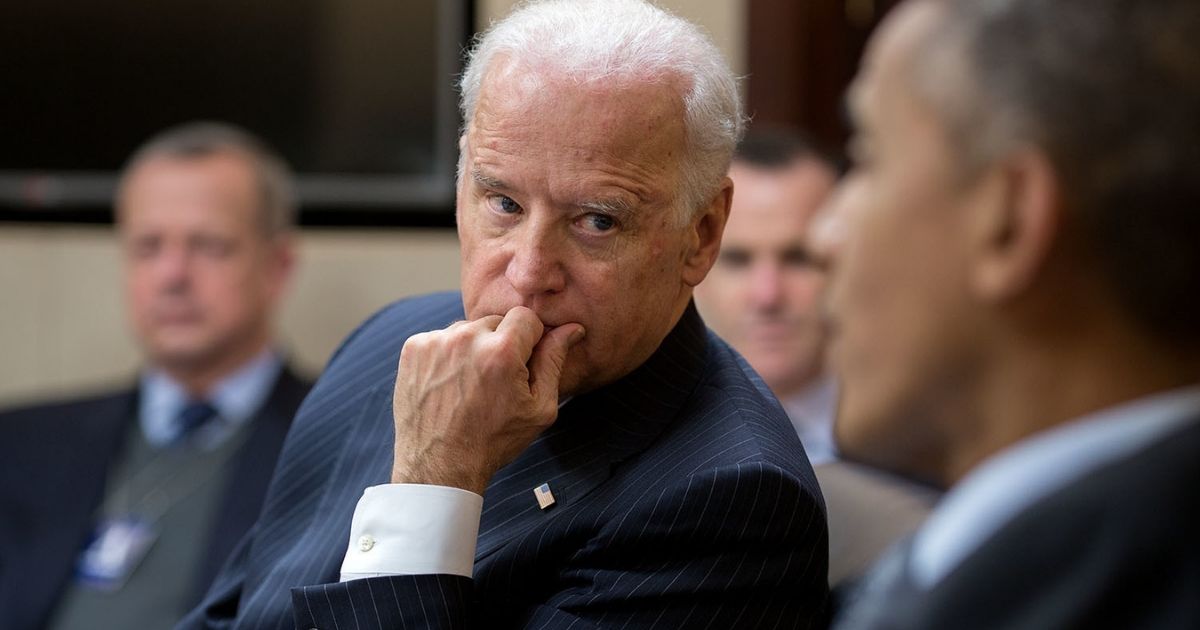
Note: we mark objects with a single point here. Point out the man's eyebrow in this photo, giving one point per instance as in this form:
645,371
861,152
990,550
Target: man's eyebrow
487,181
613,206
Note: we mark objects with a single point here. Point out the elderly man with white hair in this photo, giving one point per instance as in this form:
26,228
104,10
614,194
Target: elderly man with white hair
563,444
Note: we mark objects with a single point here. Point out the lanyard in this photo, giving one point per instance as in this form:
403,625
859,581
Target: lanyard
171,476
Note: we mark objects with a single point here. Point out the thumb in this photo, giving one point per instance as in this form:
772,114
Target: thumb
546,363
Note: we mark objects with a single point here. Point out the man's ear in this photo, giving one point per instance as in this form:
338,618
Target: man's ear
282,264
1014,227
704,235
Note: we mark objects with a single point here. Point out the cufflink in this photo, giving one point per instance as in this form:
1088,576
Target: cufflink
545,498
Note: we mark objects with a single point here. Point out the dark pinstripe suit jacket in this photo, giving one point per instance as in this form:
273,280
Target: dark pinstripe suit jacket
683,500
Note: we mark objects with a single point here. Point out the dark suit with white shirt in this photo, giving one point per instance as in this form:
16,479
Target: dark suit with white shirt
56,459
680,500
1115,549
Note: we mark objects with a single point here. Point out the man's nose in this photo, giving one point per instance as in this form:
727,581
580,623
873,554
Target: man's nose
766,284
535,266
173,267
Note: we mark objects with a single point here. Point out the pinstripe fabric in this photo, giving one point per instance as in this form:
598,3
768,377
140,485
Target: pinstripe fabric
682,500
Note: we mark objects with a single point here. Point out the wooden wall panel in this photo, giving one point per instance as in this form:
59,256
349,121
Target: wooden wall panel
801,55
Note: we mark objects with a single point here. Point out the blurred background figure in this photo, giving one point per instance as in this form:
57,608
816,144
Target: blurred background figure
763,297
128,502
1014,310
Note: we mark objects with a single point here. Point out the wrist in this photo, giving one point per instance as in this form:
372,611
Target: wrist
456,477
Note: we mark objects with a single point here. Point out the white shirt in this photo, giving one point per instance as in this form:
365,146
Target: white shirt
414,529
812,412
235,397
1009,482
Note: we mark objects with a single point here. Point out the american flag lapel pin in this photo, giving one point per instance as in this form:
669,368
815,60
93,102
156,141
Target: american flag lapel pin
545,498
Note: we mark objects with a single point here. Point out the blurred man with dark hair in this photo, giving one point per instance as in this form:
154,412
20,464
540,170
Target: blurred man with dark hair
1014,310
124,505
762,296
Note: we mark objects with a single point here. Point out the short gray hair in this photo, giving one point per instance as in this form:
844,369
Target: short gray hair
597,39
278,207
1110,90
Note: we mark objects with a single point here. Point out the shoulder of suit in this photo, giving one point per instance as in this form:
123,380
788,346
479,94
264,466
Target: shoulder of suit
1161,477
1135,503
83,402
737,406
414,314
85,417
371,351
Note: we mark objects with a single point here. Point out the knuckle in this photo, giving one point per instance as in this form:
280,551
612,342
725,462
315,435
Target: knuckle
487,323
496,351
414,344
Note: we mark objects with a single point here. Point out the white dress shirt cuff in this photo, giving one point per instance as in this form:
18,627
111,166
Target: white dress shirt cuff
413,529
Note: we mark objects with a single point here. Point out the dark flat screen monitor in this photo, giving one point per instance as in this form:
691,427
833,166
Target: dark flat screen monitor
358,95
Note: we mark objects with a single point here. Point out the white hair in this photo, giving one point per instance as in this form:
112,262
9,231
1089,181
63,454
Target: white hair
589,40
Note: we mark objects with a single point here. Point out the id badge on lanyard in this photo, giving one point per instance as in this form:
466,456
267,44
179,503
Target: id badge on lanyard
117,546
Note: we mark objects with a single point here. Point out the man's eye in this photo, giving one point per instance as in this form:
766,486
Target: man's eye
734,259
599,222
798,257
504,204
144,247
212,247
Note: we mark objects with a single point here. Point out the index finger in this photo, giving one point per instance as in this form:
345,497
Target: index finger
523,326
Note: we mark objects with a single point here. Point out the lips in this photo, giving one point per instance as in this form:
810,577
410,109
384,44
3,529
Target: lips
176,317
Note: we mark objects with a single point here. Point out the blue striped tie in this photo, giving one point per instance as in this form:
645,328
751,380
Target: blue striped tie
194,415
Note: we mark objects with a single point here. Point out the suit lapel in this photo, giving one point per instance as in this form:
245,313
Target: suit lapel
594,432
242,496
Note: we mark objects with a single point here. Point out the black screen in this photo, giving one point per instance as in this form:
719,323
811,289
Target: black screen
356,94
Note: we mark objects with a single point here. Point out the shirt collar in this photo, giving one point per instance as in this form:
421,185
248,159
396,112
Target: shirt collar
1012,480
812,411
236,398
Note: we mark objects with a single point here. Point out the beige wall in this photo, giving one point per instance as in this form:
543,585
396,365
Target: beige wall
62,321
62,326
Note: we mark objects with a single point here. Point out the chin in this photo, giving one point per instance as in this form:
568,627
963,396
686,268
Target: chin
882,436
182,354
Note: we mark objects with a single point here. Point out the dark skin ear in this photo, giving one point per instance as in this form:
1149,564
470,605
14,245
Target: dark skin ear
704,235
1014,224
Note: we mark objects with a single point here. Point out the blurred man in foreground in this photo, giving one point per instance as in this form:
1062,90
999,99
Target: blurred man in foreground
1015,310
122,507
762,296
563,444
